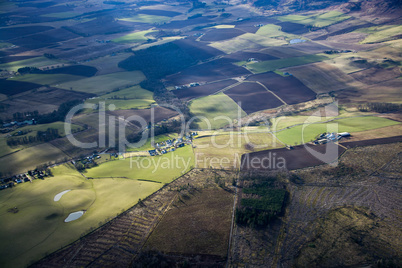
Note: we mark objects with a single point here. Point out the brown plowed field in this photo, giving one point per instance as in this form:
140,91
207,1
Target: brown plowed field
221,34
298,157
289,88
204,90
352,144
253,97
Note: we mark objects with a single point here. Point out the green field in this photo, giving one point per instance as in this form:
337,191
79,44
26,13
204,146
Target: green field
39,228
137,37
320,20
272,65
143,18
47,79
272,31
162,169
305,133
105,83
30,158
129,98
34,62
209,108
380,33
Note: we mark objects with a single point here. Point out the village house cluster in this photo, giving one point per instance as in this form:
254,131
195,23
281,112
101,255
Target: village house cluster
171,145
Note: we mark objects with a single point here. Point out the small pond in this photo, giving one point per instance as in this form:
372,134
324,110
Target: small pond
296,41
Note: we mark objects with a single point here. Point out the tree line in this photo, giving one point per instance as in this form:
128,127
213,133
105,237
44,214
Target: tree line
380,107
41,136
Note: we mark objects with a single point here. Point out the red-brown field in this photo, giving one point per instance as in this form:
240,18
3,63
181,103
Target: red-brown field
221,34
98,26
289,88
15,32
252,97
44,100
204,90
296,158
207,72
44,39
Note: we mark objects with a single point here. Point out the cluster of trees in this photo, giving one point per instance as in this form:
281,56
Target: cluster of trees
380,107
59,114
41,136
81,166
267,202
29,70
158,61
25,115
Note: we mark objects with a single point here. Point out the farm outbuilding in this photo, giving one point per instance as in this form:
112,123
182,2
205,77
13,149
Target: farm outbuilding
344,134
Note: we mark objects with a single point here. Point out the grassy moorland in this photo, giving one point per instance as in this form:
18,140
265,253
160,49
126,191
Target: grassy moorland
198,211
215,111
36,227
